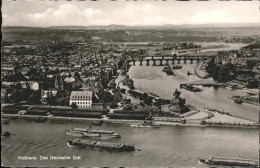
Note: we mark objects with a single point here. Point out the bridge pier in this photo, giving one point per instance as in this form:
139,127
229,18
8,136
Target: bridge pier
153,64
179,61
161,64
147,62
141,62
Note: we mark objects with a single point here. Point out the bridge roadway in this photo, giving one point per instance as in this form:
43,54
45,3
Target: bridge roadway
151,60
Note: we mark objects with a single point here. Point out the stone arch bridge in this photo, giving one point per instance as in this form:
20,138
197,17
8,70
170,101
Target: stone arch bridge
163,60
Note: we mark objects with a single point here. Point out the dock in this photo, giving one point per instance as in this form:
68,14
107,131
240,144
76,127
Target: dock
204,83
230,162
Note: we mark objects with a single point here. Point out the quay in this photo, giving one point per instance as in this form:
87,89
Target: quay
244,101
204,83
223,161
158,120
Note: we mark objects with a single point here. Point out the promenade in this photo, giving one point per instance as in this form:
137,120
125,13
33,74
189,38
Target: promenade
164,121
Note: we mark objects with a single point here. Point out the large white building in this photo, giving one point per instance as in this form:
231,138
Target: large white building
184,48
83,99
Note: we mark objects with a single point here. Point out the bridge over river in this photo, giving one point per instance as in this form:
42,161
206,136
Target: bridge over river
167,59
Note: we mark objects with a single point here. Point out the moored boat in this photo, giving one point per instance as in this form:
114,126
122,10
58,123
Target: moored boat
97,123
41,119
229,162
101,136
203,122
101,145
144,125
238,101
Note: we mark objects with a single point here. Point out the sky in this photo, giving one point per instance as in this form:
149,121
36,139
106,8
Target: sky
45,13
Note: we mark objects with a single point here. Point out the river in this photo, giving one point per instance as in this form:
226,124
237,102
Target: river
166,146
152,79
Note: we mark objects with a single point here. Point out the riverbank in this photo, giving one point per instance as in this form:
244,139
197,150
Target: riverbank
199,72
243,100
158,120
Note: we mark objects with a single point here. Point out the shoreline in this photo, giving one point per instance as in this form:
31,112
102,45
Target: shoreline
190,123
244,101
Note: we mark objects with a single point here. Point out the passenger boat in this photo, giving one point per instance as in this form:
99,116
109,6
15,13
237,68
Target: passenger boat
230,162
238,101
92,133
144,125
101,145
101,136
74,133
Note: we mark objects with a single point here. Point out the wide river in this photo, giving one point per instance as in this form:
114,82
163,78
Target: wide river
166,146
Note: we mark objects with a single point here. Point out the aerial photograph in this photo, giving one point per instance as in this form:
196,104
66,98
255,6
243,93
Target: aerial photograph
130,83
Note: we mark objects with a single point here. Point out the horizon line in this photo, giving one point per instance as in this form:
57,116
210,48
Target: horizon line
187,24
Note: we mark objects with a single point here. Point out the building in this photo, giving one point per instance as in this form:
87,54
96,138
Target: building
184,48
83,99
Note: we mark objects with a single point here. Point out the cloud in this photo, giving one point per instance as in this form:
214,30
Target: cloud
129,13
65,15
215,16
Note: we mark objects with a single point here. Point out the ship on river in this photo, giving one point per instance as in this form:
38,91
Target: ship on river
230,162
101,145
191,88
92,133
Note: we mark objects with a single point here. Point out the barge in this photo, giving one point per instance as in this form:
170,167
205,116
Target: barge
101,145
191,88
229,162
238,101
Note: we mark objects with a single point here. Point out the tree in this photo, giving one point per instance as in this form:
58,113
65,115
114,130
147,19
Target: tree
117,96
34,97
113,105
146,99
215,73
74,106
128,101
105,96
77,76
251,64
